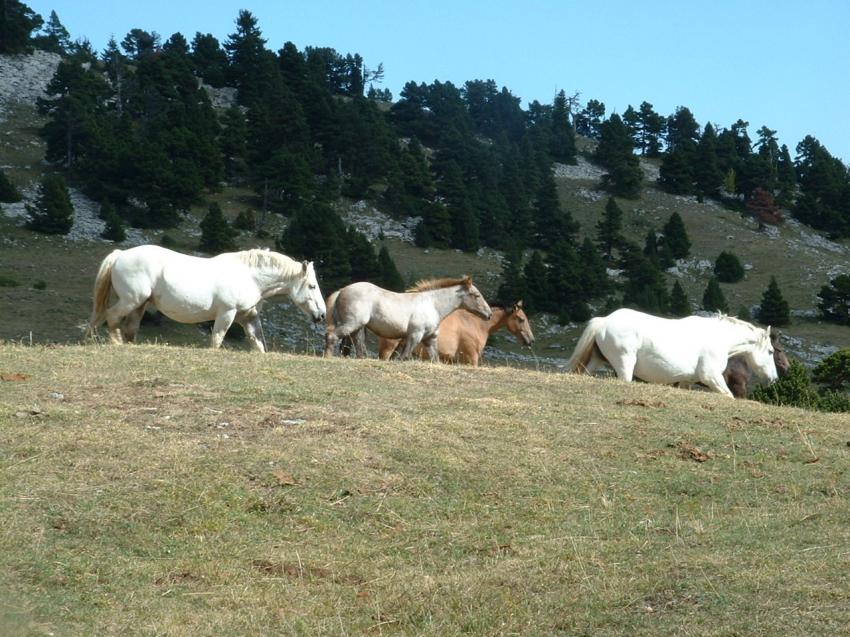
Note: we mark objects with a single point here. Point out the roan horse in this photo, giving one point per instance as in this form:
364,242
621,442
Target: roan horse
694,349
463,335
225,288
414,315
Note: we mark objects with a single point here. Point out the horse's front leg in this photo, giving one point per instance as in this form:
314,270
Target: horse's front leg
222,324
718,383
410,342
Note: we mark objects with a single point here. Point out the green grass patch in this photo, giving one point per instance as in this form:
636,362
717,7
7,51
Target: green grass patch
183,491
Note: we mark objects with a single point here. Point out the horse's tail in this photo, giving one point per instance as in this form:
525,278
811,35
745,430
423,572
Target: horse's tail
330,304
585,346
102,292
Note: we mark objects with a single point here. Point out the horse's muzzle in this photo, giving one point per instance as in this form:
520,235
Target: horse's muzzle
318,318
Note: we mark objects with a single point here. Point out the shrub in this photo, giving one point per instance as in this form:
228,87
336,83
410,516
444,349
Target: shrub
792,390
728,268
8,282
245,220
39,285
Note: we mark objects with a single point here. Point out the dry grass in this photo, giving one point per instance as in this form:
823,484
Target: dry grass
157,490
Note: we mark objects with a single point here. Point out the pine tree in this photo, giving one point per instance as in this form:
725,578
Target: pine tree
563,143
645,288
676,237
361,257
512,287
537,297
389,278
624,177
594,276
17,22
317,233
728,268
53,212
209,59
679,304
652,127
55,37
676,174
114,230
834,303
609,228
774,309
216,234
706,170
8,192
551,223
713,299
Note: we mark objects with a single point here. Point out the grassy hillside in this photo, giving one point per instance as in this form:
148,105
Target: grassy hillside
182,491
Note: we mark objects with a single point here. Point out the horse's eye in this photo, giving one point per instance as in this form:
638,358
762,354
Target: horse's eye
311,286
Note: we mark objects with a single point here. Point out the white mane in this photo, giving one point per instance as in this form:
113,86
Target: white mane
265,259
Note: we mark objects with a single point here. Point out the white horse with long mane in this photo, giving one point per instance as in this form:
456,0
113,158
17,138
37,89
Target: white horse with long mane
695,349
226,288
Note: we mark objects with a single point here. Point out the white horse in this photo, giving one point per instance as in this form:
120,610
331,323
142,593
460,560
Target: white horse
695,349
414,315
225,288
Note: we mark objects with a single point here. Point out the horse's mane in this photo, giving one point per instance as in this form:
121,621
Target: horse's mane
760,333
437,284
265,259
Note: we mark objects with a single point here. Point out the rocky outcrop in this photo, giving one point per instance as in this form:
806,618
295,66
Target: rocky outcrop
23,78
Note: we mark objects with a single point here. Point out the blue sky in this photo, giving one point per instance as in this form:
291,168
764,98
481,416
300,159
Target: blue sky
780,63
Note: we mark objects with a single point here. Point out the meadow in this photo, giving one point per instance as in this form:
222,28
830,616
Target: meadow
156,490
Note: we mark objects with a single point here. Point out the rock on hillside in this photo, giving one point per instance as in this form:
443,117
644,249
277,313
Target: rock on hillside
23,78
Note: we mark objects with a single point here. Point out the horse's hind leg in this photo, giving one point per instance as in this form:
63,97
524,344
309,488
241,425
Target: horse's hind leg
254,330
132,322
624,367
359,338
220,327
115,316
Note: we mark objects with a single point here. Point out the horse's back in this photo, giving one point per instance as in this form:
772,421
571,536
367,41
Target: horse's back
460,336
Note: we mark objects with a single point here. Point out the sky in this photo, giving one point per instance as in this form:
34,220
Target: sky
784,64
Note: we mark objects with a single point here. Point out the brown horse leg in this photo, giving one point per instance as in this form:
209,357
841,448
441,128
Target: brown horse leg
386,347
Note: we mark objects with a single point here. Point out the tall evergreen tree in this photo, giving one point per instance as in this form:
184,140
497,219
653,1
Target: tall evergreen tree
595,283
774,309
706,170
624,178
17,22
54,37
682,130
676,236
563,144
537,298
834,303
652,127
609,228
53,212
317,233
713,299
645,288
551,223
676,174
389,277
209,59
679,304
512,286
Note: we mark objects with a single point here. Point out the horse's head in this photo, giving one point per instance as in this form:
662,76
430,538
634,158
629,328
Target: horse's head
779,358
306,294
519,325
761,356
472,300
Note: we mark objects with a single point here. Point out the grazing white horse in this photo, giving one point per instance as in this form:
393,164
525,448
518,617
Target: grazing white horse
414,315
695,349
225,288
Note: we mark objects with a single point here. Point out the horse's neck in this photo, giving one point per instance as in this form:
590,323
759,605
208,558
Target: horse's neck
272,279
740,338
497,321
445,300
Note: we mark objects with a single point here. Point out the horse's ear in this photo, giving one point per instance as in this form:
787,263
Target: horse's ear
467,281
305,265
518,304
